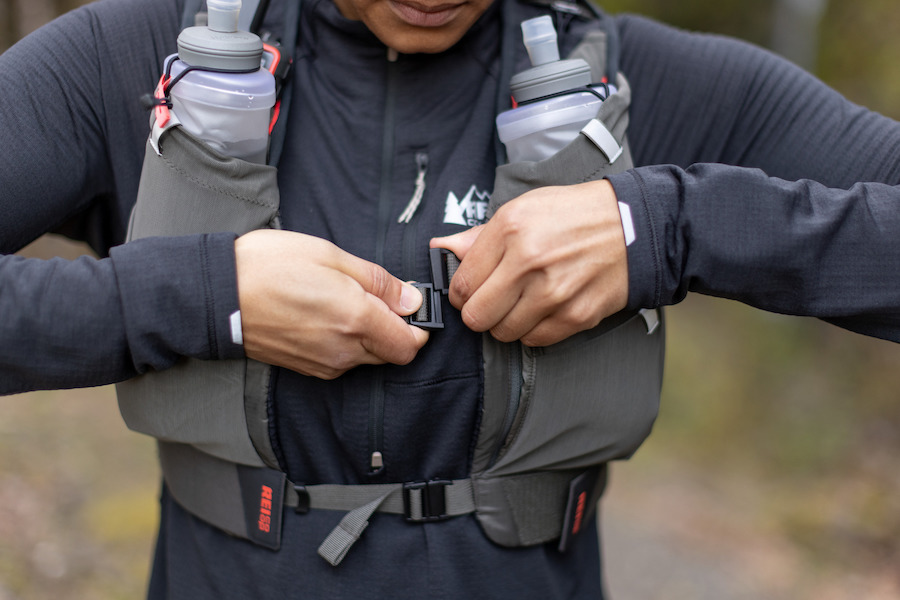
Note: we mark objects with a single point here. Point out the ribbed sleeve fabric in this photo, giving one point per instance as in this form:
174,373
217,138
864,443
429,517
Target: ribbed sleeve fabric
757,182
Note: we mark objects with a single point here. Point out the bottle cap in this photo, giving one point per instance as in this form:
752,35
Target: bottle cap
550,78
220,45
548,75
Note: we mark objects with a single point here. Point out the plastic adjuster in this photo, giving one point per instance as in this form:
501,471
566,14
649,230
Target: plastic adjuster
429,315
302,500
425,501
443,266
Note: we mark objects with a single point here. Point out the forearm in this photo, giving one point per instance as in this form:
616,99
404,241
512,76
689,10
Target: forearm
790,247
90,322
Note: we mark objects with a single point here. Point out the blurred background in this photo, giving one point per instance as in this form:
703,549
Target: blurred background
771,472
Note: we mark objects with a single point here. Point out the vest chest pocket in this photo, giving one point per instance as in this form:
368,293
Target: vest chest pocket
587,400
217,406
552,413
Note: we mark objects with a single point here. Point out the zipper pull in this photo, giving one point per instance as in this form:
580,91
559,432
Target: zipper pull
419,192
377,462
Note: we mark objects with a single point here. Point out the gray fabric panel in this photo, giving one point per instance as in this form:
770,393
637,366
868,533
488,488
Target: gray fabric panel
191,189
195,402
496,392
578,162
206,487
589,399
592,49
522,510
256,399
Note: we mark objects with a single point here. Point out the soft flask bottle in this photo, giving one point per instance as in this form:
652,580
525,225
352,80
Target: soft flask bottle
551,110
219,92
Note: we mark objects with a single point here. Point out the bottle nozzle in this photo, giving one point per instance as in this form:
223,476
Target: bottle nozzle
539,36
223,15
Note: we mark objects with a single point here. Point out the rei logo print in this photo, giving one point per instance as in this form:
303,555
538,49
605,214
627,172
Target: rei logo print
579,513
469,211
265,509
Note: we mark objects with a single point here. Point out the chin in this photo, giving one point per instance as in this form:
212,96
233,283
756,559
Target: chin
421,46
410,39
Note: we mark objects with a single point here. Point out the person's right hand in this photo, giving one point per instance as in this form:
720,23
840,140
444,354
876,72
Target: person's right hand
311,307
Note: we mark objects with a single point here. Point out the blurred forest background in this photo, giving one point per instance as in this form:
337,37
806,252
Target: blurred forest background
771,472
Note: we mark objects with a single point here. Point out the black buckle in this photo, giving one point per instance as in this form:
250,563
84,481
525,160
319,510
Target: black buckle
429,500
443,267
429,315
302,500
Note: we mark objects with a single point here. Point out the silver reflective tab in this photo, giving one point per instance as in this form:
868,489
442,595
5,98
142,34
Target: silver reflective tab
603,139
651,319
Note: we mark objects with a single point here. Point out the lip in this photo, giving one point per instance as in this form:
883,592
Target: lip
420,14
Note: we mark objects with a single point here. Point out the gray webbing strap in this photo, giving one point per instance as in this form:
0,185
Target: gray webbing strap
413,500
342,537
457,496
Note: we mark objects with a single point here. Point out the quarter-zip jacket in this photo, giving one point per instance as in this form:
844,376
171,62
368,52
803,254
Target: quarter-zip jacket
761,230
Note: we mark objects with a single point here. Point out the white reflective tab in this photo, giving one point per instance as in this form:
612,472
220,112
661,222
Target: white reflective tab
627,223
603,139
156,131
237,331
651,319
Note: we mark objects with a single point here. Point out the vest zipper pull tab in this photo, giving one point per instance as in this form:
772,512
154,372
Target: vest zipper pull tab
419,192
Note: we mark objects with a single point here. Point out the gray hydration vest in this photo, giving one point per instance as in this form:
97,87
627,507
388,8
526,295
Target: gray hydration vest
552,417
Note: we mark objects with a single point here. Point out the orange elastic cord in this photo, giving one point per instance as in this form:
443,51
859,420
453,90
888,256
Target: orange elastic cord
162,103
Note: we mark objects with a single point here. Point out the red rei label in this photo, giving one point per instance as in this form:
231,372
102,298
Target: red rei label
265,509
579,512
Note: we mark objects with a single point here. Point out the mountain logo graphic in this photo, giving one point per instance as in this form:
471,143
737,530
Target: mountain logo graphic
469,211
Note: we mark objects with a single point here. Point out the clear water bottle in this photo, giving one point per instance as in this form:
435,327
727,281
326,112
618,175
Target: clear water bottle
221,94
536,130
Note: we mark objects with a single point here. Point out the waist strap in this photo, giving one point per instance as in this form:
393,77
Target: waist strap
419,502
249,502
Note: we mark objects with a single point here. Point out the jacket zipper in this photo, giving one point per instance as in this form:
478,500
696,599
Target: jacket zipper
376,394
408,217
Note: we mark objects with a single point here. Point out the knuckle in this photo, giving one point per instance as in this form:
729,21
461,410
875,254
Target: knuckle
502,333
460,288
381,281
405,355
556,295
532,340
355,323
473,319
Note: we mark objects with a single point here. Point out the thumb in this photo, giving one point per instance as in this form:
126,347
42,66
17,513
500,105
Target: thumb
401,297
458,243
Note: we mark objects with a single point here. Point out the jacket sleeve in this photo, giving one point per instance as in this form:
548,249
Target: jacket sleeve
757,182
63,127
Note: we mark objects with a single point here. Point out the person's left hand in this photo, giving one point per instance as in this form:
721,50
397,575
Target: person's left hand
548,264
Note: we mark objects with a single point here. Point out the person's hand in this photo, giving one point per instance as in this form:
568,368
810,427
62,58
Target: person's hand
548,264
313,308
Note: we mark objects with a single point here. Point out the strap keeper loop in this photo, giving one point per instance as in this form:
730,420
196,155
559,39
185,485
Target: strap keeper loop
303,502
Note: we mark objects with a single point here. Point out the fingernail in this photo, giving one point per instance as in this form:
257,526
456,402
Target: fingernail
410,297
